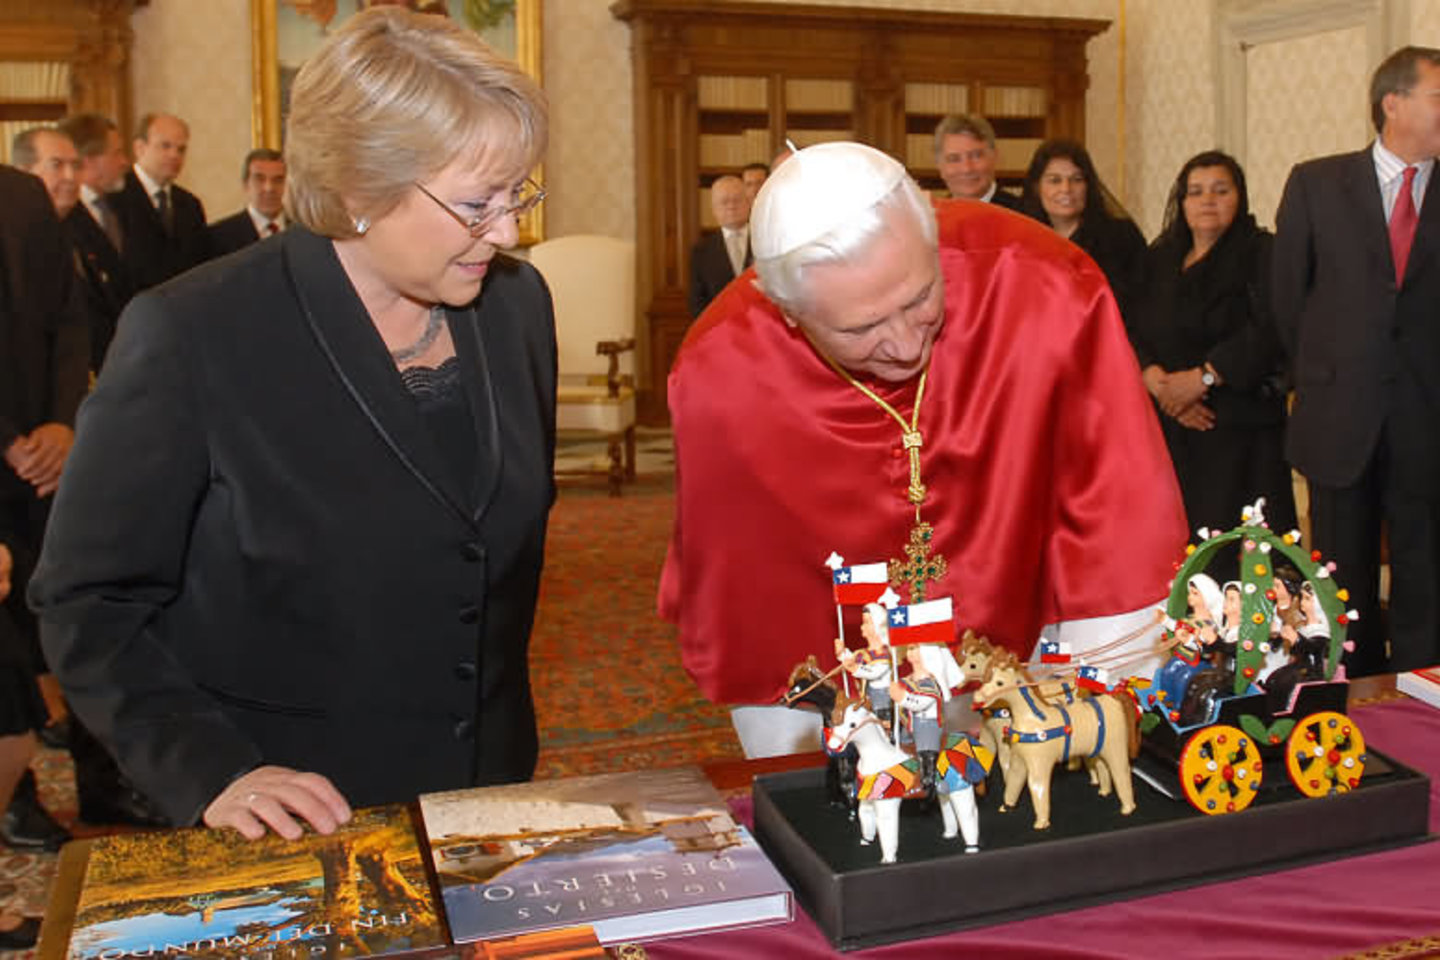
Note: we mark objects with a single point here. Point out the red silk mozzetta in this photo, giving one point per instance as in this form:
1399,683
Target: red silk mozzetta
1050,490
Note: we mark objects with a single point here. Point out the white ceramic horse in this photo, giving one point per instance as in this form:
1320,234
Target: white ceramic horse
886,775
1042,733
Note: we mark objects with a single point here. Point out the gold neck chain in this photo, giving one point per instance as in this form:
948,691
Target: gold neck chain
910,432
919,568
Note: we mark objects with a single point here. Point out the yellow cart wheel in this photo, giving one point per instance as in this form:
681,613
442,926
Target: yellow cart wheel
1325,754
1220,770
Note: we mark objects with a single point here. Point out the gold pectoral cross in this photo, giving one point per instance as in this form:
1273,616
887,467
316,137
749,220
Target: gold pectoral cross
920,567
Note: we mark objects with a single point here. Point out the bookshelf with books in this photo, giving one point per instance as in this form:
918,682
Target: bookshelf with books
721,83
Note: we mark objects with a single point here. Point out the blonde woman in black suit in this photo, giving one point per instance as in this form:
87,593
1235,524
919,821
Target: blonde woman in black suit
294,561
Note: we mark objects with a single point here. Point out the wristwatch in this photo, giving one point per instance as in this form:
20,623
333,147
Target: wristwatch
1207,376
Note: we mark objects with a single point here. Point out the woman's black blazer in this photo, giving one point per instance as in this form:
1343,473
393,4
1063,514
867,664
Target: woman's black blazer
258,553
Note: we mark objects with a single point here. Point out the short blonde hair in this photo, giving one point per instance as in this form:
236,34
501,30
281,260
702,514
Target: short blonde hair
394,97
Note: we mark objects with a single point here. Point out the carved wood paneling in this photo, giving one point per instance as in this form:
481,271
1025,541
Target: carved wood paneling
93,36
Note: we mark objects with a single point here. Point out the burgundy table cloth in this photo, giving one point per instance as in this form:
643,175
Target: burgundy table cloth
1326,910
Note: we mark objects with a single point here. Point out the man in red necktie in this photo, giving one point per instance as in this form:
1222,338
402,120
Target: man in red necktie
1356,292
264,215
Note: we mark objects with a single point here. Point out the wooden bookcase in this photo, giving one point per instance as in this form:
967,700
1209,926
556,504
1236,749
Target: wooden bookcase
721,83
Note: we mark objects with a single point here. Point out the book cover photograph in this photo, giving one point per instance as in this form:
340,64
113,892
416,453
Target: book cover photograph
634,855
362,890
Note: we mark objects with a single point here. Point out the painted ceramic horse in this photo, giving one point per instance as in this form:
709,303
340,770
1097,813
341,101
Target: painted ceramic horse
1043,733
974,655
888,774
810,686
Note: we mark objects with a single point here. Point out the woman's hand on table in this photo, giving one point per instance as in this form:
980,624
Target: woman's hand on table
275,797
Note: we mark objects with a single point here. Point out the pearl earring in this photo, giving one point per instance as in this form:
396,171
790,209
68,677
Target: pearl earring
361,225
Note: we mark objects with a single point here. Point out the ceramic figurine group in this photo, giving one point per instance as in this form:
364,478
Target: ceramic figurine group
1240,658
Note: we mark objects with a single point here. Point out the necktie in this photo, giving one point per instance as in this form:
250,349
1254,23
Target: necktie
109,223
271,228
1402,225
735,246
162,205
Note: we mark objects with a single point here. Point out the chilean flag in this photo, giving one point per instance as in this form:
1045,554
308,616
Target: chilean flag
1054,651
927,622
862,583
1095,679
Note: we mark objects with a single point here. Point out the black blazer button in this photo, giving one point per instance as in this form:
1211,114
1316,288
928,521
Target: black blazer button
472,551
469,613
464,730
464,670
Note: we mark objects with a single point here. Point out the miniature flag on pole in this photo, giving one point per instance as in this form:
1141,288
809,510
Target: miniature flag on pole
1095,679
861,583
1054,651
927,622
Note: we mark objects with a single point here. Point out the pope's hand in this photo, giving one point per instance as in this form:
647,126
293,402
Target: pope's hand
269,796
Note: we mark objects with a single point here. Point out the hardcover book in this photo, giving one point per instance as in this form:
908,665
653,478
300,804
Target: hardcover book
1421,684
214,894
636,856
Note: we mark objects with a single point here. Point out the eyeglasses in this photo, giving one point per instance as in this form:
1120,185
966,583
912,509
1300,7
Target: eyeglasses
527,197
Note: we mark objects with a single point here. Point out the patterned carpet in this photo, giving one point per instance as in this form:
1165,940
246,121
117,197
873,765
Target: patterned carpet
610,691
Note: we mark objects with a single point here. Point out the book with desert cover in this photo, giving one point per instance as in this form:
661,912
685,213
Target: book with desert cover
635,856
362,890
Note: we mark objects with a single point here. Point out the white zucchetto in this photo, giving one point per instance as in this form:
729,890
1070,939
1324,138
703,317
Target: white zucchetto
815,191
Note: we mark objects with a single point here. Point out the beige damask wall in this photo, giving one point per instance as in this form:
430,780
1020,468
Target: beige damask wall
1304,95
1170,99
192,58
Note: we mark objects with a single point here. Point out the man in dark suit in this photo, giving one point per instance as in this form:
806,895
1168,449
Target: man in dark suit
1356,292
104,794
721,255
162,222
43,354
965,156
94,226
264,215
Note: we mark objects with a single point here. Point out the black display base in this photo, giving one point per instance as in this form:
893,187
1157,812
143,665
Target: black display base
1091,854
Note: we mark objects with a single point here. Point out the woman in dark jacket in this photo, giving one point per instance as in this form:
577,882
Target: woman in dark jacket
295,555
1063,191
1209,352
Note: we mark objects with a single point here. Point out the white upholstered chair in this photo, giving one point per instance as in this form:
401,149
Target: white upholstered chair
592,280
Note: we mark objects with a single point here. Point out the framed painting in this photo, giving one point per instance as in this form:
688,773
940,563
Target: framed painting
285,32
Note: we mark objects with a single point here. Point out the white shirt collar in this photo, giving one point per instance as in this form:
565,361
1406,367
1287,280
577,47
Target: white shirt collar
990,194
1388,166
261,221
150,185
1390,170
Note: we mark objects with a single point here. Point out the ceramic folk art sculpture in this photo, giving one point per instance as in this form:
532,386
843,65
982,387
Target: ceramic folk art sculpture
1044,732
888,774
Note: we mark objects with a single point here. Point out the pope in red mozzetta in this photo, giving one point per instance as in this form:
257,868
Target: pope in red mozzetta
900,370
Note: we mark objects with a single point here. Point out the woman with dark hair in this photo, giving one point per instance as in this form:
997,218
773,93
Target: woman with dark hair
1063,191
1209,352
